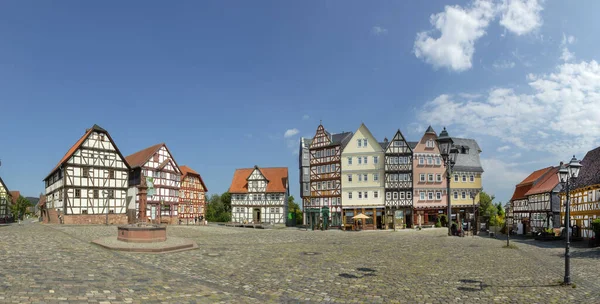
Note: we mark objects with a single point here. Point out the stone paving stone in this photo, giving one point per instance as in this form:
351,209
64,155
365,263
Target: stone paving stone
240,265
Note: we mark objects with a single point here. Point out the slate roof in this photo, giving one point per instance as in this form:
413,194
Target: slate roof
467,162
277,179
185,170
590,171
341,139
384,145
546,183
430,130
523,187
412,144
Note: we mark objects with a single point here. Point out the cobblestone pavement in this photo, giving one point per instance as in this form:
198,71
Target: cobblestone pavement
58,264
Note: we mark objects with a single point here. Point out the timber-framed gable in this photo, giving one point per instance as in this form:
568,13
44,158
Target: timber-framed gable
192,200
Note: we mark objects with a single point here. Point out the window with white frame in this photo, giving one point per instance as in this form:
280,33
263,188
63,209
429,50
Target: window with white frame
422,195
401,195
421,160
388,195
464,178
438,177
430,195
349,160
395,195
375,159
438,195
359,177
349,177
429,143
455,195
438,161
376,177
350,195
429,160
359,194
375,194
456,177
422,177
366,194
364,142
472,178
430,177
463,195
409,195
365,177
359,160
359,142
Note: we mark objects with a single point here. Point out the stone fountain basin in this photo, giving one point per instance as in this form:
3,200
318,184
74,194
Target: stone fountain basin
142,233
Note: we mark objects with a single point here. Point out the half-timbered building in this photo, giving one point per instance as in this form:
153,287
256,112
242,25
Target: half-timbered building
522,212
192,196
89,183
398,181
5,201
259,196
325,205
163,177
429,182
585,196
465,182
363,180
543,202
304,166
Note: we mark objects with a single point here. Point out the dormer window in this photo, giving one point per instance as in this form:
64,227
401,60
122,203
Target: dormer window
429,143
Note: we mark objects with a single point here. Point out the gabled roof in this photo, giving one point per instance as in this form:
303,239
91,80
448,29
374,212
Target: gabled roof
4,185
469,161
140,158
277,177
185,170
410,145
79,143
341,139
523,187
430,130
546,183
590,171
15,196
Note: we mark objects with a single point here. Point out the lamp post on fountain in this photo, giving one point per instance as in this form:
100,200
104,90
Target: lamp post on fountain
566,176
448,152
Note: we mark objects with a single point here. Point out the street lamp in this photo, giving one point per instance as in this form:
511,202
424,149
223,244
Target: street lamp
448,152
473,194
566,175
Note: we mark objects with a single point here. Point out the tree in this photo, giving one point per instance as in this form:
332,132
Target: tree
226,199
216,210
486,205
19,208
294,208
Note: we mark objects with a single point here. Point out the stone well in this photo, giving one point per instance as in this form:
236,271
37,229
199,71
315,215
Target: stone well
142,233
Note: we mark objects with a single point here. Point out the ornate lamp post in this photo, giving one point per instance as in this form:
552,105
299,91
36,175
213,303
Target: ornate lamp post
473,194
566,175
448,152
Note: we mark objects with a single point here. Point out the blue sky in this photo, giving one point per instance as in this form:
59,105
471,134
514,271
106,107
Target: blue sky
222,81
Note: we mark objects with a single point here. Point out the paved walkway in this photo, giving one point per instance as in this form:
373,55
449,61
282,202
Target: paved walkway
58,264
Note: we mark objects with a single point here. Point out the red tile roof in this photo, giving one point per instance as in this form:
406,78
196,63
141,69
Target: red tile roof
523,187
185,170
546,183
277,177
15,196
139,158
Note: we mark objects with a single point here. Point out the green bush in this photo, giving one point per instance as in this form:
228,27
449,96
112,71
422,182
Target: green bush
443,219
438,224
596,227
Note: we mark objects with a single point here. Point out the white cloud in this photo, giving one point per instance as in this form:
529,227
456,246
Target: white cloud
503,148
459,28
305,117
566,54
377,30
517,155
521,16
559,115
501,177
291,132
501,65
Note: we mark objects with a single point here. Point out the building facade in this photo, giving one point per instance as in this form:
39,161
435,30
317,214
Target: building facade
543,202
398,181
304,166
89,184
524,215
429,182
585,196
363,179
259,196
5,200
192,196
163,177
325,205
465,182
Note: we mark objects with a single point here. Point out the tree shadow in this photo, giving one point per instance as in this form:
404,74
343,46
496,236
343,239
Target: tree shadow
480,286
367,272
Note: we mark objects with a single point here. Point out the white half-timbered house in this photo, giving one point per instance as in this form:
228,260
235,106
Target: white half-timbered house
259,195
5,200
530,215
163,177
89,184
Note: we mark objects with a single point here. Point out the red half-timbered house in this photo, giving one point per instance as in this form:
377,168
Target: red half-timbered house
192,196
